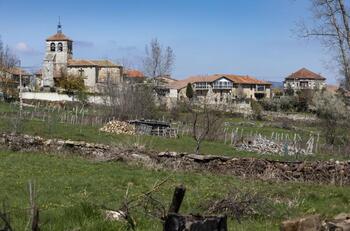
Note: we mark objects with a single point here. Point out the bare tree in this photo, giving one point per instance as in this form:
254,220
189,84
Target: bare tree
159,61
240,93
7,59
332,110
331,26
8,62
204,119
126,101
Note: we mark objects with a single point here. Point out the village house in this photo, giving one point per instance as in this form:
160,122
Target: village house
304,79
222,88
133,76
13,76
10,79
15,73
59,61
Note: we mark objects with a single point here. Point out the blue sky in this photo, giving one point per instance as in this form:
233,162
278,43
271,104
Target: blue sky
208,36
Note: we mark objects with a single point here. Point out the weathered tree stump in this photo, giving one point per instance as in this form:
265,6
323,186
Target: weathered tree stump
176,222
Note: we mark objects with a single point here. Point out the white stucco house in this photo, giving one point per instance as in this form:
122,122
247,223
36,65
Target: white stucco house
304,79
59,60
222,88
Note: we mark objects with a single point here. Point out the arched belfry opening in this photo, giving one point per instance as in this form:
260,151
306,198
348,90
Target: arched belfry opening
52,47
59,46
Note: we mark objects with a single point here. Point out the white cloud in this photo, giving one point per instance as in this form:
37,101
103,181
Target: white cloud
84,44
24,48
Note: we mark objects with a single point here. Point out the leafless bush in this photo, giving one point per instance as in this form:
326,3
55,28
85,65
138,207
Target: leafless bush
147,201
216,132
332,110
16,122
5,219
240,204
126,101
137,142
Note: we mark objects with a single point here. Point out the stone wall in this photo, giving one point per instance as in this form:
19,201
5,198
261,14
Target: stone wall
55,97
323,172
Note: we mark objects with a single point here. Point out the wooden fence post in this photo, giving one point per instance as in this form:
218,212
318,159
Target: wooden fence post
179,194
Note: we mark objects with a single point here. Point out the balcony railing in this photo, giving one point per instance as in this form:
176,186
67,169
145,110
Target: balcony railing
222,86
201,87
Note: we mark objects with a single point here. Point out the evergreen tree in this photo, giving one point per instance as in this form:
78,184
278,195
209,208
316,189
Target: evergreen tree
189,91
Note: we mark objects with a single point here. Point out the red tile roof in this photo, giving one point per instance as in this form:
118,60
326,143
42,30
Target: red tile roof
58,37
304,73
134,74
237,79
240,79
90,63
17,71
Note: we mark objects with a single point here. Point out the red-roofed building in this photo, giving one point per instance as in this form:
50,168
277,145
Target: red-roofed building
304,79
14,73
134,76
222,87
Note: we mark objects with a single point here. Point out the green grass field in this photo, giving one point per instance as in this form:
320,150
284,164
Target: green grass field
55,129
72,191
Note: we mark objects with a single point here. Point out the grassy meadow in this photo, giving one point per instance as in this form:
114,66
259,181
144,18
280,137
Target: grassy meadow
90,133
71,193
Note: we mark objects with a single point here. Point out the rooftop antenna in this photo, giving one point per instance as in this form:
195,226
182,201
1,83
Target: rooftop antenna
59,26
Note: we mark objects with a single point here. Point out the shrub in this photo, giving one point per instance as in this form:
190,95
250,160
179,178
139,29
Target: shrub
126,101
257,110
304,98
332,110
269,104
289,90
72,84
287,103
189,91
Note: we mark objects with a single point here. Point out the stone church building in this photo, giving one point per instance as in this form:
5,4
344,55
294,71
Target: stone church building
59,61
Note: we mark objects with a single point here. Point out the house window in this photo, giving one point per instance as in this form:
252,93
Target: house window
304,84
222,85
70,47
201,85
60,47
52,47
260,88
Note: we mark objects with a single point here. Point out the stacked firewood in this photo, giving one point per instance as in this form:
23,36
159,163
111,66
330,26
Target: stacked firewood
265,146
119,127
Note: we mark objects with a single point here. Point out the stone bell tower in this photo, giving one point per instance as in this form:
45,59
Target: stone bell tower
57,53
